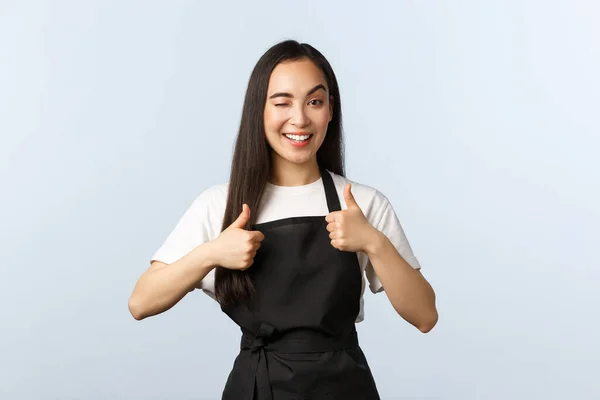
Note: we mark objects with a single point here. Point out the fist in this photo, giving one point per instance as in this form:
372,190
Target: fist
349,230
235,246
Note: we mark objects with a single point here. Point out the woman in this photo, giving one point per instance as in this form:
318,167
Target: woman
285,244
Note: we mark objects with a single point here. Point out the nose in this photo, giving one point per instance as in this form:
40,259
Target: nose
299,117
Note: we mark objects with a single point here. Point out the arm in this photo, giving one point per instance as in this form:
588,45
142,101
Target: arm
162,285
409,292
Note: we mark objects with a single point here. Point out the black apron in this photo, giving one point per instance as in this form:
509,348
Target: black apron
299,340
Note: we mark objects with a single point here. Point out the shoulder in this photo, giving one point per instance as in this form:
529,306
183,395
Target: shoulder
208,208
214,196
200,222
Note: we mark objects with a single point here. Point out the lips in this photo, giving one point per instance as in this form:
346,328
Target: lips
298,140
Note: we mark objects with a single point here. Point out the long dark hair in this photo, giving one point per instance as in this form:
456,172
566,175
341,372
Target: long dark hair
251,163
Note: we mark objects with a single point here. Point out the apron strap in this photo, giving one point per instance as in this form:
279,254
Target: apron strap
333,201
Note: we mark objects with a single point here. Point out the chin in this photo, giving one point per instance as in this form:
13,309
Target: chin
295,159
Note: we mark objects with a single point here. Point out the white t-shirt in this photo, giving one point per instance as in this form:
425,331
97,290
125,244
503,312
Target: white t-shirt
202,222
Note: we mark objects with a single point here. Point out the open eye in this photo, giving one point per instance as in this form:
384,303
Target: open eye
315,102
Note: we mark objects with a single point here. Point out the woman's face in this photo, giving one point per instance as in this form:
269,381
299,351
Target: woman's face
297,111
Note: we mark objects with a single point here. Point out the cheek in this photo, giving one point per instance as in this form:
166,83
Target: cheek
321,120
273,120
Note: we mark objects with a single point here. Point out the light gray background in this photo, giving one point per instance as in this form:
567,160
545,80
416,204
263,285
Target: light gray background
479,121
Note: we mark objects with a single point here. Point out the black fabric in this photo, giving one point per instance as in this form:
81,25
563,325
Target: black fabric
298,333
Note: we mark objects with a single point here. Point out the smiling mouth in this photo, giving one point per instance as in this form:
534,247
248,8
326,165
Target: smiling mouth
298,138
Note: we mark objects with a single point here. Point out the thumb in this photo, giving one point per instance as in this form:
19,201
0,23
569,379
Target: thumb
350,202
243,218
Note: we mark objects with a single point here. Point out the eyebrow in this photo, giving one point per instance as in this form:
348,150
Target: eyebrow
289,95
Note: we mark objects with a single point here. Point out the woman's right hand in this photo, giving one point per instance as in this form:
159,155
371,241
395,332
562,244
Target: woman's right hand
236,247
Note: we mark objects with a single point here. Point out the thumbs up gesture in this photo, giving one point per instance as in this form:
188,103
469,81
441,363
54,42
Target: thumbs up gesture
349,230
236,247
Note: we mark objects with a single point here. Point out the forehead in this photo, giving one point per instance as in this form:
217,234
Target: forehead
295,77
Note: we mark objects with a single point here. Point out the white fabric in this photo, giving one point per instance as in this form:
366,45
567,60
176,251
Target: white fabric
202,222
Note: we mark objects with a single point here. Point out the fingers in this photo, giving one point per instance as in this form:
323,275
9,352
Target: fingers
248,256
255,241
350,201
335,233
331,217
335,244
247,264
243,218
257,236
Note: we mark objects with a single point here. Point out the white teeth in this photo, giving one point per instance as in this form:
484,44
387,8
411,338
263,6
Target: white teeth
298,138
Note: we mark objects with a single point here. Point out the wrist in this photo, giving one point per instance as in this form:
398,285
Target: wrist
375,242
206,256
212,253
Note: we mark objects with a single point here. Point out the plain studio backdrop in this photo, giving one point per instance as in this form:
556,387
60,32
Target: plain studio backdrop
479,121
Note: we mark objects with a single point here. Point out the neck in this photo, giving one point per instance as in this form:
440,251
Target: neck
285,173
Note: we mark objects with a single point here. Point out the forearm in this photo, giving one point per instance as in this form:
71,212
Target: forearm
159,289
409,292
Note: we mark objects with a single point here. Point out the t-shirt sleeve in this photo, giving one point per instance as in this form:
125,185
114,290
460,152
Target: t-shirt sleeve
190,231
389,225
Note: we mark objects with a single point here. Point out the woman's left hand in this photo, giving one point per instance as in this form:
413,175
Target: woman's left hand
349,229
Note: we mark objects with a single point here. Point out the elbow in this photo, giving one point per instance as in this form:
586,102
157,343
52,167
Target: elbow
428,324
136,309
